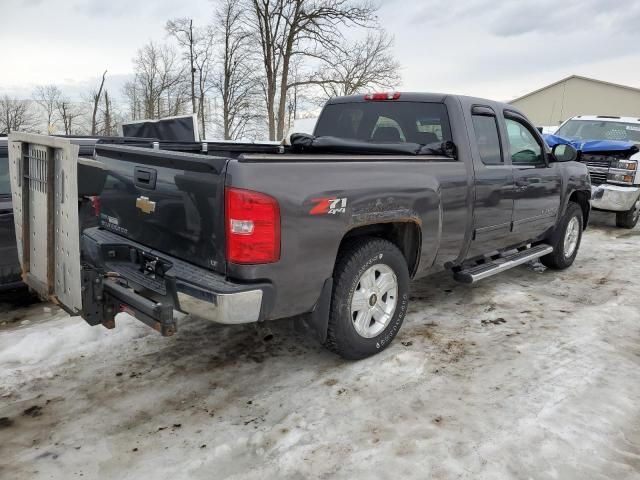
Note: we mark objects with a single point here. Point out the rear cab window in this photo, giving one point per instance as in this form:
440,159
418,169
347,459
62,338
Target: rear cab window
421,123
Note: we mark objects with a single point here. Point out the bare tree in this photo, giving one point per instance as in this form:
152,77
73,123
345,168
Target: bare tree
47,96
204,64
198,44
236,82
182,30
69,113
287,29
15,115
108,129
158,88
95,96
131,93
363,65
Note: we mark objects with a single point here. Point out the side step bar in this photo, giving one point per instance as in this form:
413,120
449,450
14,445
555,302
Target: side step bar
474,274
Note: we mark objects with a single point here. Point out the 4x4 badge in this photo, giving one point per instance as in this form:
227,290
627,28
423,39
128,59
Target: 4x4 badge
145,205
331,206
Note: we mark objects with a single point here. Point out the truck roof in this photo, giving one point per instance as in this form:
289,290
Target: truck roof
404,96
428,97
607,118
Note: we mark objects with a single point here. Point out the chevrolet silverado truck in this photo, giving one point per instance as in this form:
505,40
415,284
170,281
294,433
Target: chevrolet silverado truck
329,229
609,148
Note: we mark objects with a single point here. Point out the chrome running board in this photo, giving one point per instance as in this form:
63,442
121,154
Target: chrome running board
477,273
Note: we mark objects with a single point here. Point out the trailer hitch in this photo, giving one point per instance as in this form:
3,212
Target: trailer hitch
106,295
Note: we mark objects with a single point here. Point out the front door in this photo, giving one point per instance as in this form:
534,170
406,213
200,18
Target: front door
537,184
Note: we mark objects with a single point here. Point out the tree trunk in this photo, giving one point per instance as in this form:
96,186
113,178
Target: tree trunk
96,101
193,70
284,79
107,114
202,116
268,55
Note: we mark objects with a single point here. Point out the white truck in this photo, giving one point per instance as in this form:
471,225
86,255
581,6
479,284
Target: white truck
614,172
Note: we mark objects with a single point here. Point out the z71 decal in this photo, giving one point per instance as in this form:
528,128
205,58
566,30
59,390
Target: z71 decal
329,206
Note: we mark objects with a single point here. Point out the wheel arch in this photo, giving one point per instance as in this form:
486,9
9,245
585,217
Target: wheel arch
406,235
582,197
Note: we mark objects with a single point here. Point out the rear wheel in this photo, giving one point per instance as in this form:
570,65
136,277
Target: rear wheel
566,239
628,219
369,299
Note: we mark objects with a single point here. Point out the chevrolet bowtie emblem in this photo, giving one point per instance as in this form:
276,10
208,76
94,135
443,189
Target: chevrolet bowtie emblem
145,205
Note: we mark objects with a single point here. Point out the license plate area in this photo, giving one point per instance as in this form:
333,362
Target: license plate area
135,265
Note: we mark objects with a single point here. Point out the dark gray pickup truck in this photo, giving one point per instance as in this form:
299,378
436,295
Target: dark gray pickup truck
332,227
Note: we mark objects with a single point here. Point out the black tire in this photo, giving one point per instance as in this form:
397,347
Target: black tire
628,219
354,259
558,259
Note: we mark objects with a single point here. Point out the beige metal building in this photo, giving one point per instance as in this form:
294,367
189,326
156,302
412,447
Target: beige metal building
575,95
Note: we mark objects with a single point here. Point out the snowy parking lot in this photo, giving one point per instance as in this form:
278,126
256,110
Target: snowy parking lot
531,374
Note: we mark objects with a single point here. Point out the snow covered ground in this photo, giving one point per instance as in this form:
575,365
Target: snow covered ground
528,375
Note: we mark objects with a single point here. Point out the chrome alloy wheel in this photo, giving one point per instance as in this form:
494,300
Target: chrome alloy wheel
571,237
374,301
636,211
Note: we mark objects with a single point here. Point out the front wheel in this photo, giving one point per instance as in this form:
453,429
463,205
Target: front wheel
566,239
628,219
369,299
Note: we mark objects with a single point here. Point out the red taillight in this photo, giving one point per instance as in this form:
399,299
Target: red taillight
95,206
253,227
378,97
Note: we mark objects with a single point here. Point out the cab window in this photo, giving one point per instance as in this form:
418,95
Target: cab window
421,123
523,145
387,128
487,139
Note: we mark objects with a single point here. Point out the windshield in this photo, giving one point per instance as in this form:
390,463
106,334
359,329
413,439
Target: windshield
600,130
386,122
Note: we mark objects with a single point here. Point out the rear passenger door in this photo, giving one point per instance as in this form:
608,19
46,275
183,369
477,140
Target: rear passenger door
493,204
537,183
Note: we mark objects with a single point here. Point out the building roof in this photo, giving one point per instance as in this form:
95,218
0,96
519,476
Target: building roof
579,77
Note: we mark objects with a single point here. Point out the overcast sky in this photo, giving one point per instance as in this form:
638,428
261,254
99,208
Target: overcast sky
488,48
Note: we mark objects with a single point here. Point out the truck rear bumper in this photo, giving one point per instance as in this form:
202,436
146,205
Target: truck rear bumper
123,276
227,308
614,198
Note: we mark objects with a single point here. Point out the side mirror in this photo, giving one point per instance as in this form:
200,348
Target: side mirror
564,153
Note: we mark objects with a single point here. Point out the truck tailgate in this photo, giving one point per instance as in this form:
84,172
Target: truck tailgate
169,201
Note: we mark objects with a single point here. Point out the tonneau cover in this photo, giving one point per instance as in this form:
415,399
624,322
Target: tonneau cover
304,143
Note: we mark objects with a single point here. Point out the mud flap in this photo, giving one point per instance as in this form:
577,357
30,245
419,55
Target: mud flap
44,189
317,321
